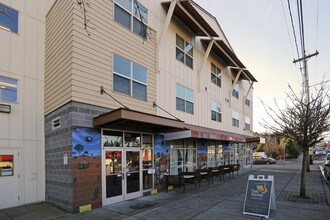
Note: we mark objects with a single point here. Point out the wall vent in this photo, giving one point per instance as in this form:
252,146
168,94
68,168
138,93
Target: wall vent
56,123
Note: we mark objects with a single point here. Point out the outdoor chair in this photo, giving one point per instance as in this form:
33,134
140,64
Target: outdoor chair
175,180
192,177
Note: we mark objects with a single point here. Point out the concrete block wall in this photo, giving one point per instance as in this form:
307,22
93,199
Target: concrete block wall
59,180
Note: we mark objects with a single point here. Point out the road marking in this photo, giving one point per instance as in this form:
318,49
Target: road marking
279,171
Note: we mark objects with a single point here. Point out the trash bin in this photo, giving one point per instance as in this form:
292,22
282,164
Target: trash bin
311,159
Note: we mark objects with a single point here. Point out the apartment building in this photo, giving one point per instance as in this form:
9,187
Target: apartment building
136,90
22,153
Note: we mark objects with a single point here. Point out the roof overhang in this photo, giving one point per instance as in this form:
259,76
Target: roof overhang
260,140
204,133
222,50
184,10
138,121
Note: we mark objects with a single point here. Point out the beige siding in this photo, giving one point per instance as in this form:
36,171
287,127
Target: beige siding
93,55
58,55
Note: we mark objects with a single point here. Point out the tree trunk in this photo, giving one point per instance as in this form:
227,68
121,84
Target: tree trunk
308,169
303,172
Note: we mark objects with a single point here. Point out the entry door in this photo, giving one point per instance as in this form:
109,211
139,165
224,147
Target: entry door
123,171
9,178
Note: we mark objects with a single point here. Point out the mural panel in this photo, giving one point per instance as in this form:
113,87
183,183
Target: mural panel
162,159
86,167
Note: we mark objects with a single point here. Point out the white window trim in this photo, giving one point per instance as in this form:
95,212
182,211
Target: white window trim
184,52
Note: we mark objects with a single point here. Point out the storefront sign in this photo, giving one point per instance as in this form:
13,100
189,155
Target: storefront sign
260,196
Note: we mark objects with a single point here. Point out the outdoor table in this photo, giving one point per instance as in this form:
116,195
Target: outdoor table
203,173
188,176
215,171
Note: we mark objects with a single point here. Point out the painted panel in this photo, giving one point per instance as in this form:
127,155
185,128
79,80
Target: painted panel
86,167
162,159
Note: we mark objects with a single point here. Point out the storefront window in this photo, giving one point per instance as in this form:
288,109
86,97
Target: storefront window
219,154
112,139
211,155
183,156
147,152
6,165
132,140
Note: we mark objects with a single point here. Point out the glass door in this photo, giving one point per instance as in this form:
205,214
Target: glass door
132,174
113,176
122,175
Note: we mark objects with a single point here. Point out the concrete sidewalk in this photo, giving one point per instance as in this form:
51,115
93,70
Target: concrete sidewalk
221,200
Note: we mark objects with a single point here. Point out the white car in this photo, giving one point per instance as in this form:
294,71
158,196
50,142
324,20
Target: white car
320,152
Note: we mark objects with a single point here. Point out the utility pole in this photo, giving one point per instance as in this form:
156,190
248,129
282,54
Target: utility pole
306,82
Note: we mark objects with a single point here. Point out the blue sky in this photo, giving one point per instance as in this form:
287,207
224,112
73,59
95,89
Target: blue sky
261,35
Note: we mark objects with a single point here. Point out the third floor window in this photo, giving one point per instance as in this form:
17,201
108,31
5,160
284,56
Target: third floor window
184,99
184,52
215,75
133,15
8,19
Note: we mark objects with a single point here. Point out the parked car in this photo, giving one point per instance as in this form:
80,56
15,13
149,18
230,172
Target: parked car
263,160
327,159
320,152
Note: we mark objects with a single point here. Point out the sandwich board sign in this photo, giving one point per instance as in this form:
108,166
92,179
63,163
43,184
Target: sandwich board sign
260,196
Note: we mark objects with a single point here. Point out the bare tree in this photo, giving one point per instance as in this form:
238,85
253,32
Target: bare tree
303,121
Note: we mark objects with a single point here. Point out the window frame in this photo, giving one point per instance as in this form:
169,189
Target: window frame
235,92
218,114
134,14
7,84
183,51
12,27
247,123
217,75
131,78
235,119
247,102
184,98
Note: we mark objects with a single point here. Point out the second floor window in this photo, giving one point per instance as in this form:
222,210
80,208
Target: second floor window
215,75
129,78
235,91
8,19
133,15
216,111
8,89
184,52
235,119
184,99
247,123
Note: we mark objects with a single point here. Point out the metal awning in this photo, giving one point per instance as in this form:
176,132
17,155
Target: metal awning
204,133
137,121
221,49
185,11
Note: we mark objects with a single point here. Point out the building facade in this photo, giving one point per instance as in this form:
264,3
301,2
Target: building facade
22,153
136,90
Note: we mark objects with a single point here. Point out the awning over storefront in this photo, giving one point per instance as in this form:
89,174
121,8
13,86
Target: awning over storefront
126,119
185,11
204,133
256,140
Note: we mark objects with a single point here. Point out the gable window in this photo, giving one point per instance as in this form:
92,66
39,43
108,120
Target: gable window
235,119
235,91
8,19
216,111
129,78
184,52
247,123
8,89
133,15
215,75
184,99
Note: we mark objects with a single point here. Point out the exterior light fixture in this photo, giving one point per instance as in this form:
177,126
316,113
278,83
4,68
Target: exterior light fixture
5,108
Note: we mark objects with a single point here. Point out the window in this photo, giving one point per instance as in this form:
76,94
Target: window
8,89
184,99
247,123
184,52
247,102
216,111
129,78
8,19
215,75
133,15
235,91
235,119
6,165
183,156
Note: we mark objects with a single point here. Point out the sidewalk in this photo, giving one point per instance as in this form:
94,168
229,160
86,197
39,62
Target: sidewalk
221,200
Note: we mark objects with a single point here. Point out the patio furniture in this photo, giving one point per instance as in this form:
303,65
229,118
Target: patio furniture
175,180
192,177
